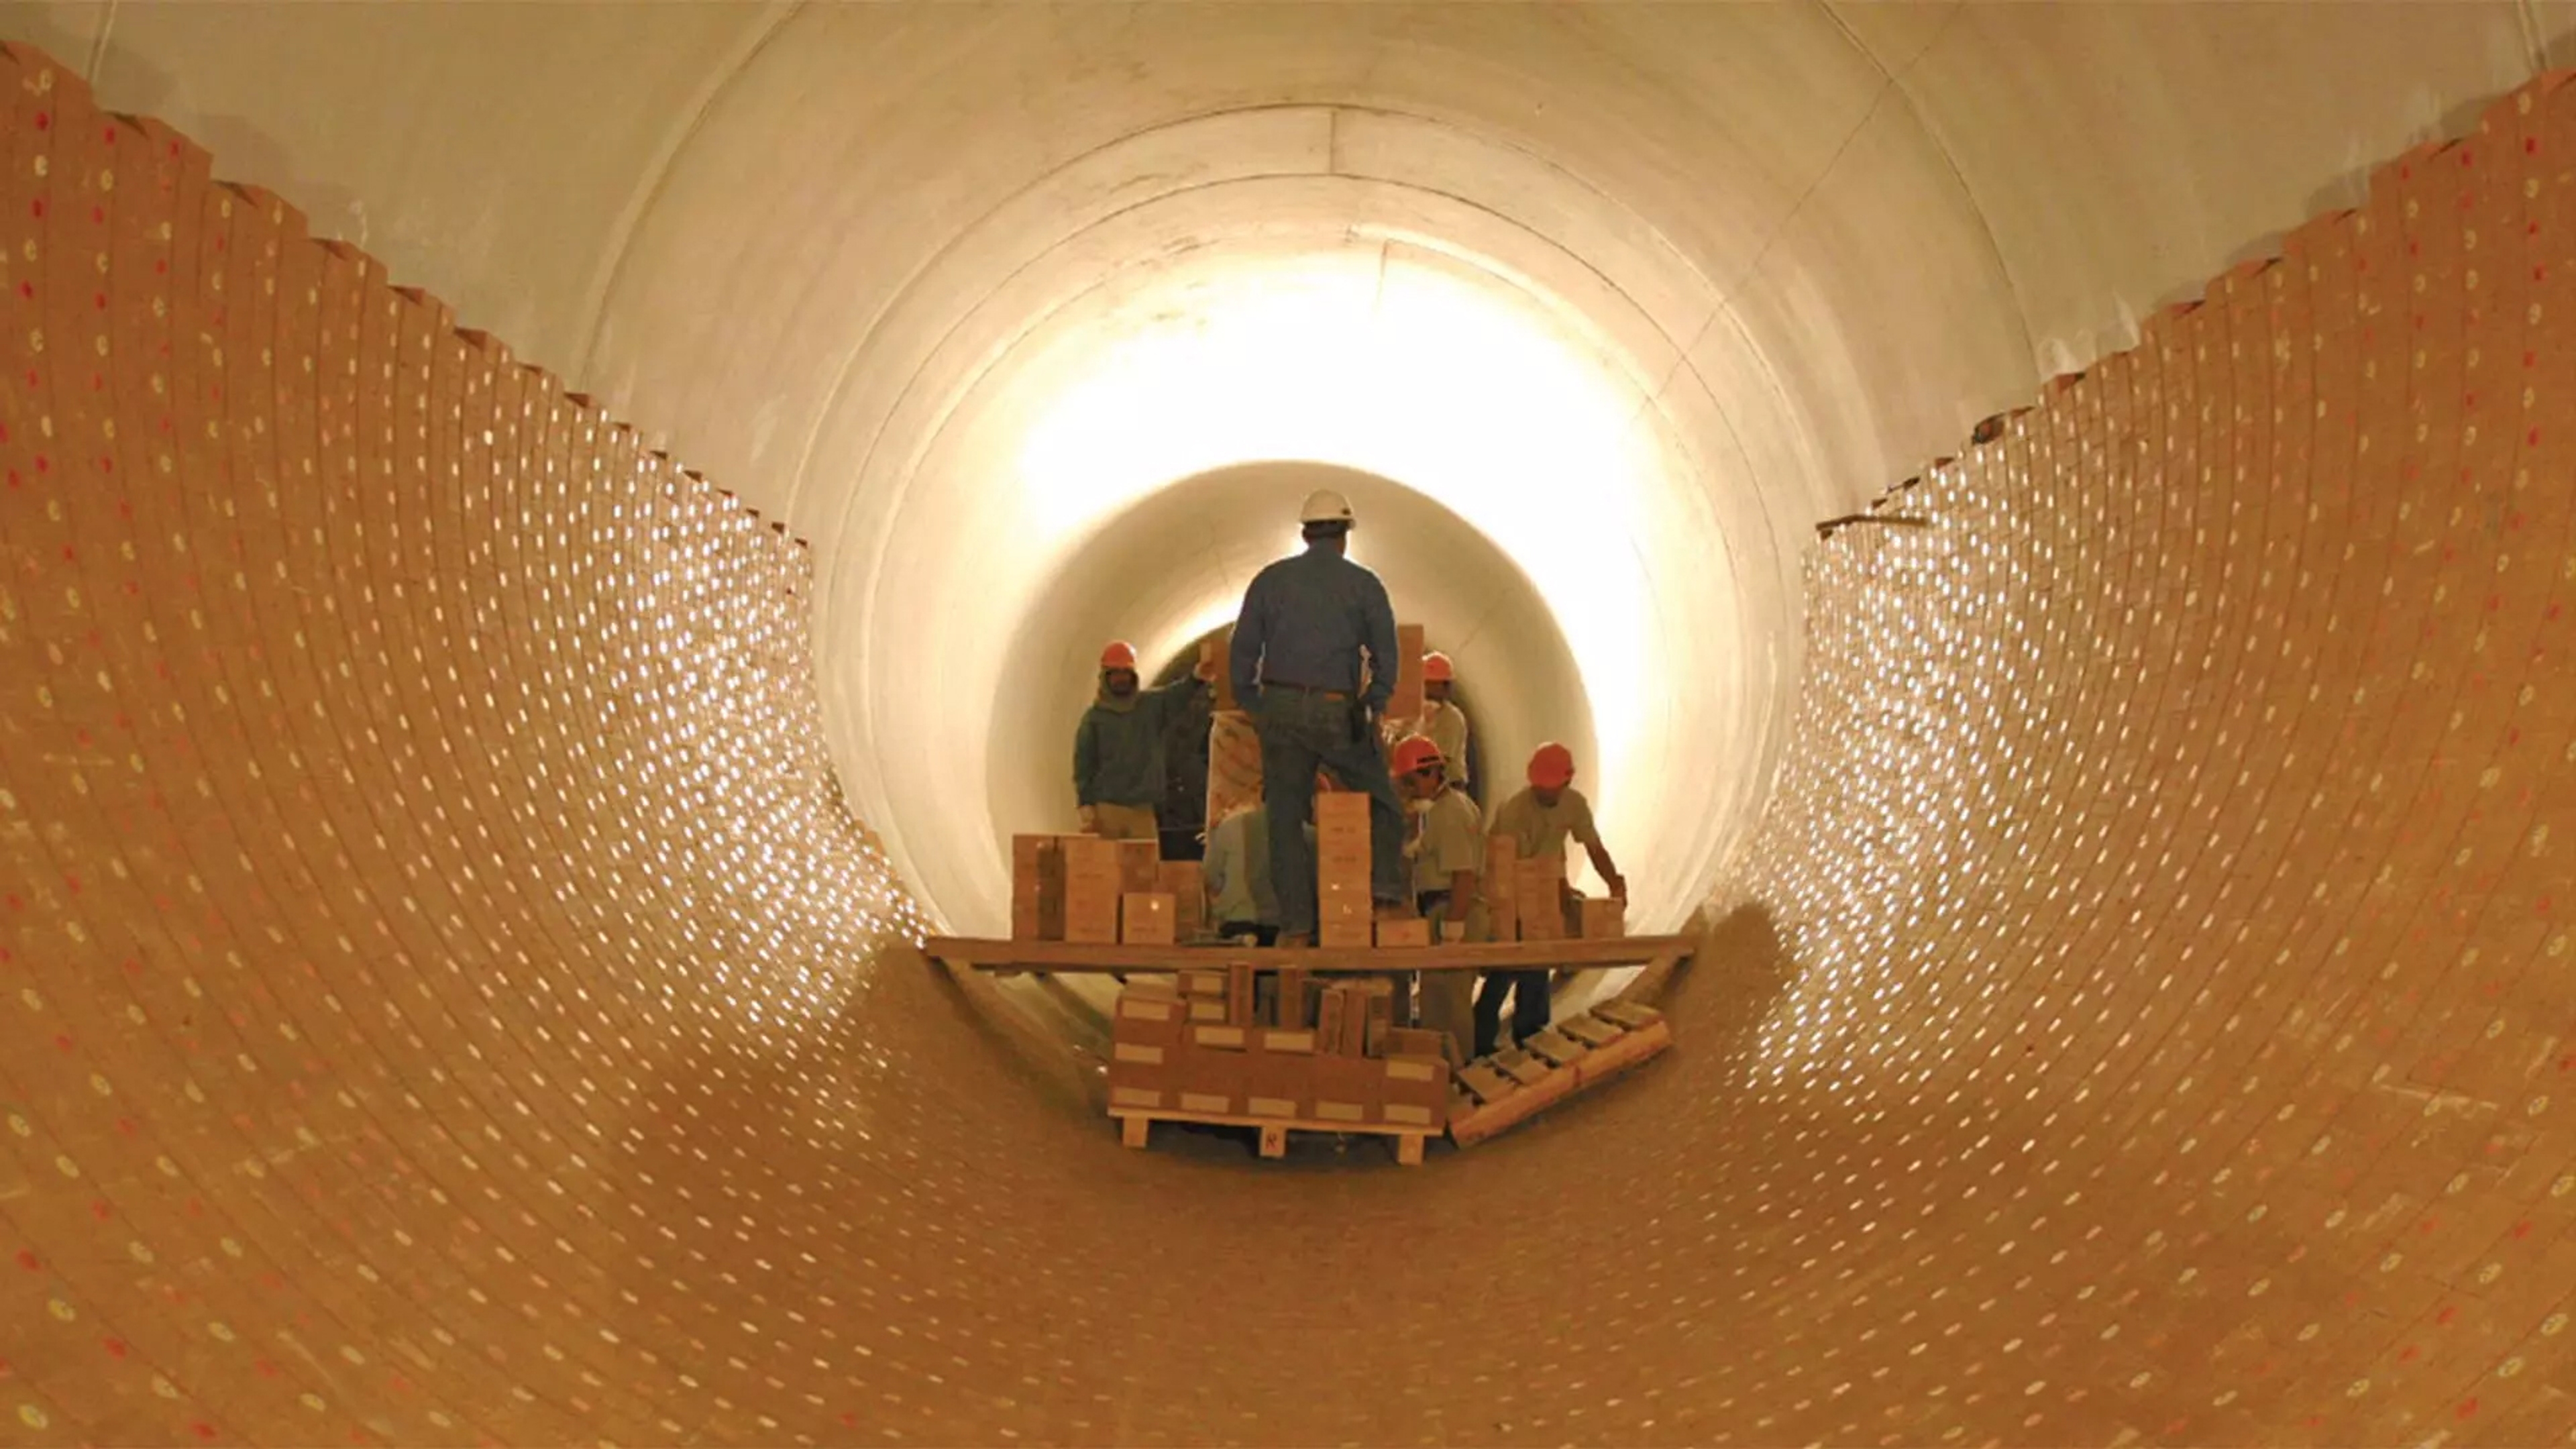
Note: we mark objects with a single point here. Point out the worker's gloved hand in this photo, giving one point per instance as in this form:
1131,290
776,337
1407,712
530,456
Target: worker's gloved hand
1090,820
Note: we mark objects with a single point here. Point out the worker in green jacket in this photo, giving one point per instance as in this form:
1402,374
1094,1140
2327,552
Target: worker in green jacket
1118,748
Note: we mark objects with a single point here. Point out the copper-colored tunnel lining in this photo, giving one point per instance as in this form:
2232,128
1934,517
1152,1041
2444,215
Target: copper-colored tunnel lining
448,998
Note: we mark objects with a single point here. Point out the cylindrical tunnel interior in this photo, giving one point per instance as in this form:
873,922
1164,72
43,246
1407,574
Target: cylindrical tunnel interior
463,856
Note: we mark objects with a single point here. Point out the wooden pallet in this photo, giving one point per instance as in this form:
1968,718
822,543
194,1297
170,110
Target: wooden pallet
1134,1123
1012,957
1502,1091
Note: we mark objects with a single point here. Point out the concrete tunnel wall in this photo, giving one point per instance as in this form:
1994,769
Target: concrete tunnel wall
2135,1015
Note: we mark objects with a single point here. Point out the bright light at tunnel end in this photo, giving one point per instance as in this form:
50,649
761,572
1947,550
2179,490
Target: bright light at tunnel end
1452,383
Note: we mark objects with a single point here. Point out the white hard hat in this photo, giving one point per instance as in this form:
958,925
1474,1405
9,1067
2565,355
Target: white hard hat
1325,506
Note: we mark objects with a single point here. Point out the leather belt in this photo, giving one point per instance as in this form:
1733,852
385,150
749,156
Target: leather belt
1305,689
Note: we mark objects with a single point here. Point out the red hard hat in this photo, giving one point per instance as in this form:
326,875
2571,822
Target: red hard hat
1552,766
1436,667
1415,751
1119,655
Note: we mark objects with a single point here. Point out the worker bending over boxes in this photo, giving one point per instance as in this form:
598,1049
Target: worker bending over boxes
1527,837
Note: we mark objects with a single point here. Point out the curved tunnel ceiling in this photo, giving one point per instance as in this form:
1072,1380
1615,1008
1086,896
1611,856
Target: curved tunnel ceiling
882,270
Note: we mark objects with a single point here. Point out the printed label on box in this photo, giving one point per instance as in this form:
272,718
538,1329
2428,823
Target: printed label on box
1288,1041
1148,1010
1340,1112
1399,1069
1134,1097
1205,1102
1218,1036
1270,1107
1129,1051
1408,1116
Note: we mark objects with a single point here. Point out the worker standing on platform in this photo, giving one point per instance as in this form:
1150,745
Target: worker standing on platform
1299,643
1447,846
1538,822
1443,721
1237,871
1118,748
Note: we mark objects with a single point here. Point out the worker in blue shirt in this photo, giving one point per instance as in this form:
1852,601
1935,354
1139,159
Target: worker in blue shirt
1298,644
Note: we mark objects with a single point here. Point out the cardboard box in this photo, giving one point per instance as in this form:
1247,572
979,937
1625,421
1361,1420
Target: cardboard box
1344,933
1146,1033
1148,1090
1329,1009
1539,886
1295,1003
1378,1015
1037,888
1239,1003
1142,1054
1090,890
1349,1089
1409,647
1279,1085
1421,1080
1602,918
1402,935
1149,1018
1209,1081
1140,865
1501,886
1411,1041
1417,1091
1220,1037
1341,810
1145,919
1185,883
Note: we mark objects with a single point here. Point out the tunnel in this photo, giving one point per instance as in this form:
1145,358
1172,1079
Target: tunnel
549,548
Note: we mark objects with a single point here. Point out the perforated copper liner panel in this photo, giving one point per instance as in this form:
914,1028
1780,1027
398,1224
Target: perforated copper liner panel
446,1002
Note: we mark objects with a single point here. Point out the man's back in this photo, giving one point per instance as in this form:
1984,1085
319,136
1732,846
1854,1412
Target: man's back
1305,620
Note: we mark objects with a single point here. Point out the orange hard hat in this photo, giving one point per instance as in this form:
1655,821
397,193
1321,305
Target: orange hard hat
1415,751
1119,655
1551,767
1436,667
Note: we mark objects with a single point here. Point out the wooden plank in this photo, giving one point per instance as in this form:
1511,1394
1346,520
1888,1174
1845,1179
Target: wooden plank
1555,1048
1629,1014
1069,956
1488,1084
1589,1030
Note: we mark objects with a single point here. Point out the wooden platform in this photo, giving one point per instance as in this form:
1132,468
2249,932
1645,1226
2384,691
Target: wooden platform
1068,956
1508,1088
1134,1123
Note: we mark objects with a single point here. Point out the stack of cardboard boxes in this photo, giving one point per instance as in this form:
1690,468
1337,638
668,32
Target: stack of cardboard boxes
1527,900
1343,909
1104,892
1280,1047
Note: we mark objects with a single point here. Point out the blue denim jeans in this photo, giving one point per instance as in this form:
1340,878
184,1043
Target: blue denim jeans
1299,733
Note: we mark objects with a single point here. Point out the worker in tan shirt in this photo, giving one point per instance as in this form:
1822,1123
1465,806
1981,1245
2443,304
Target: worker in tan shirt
1446,843
1538,821
1443,721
